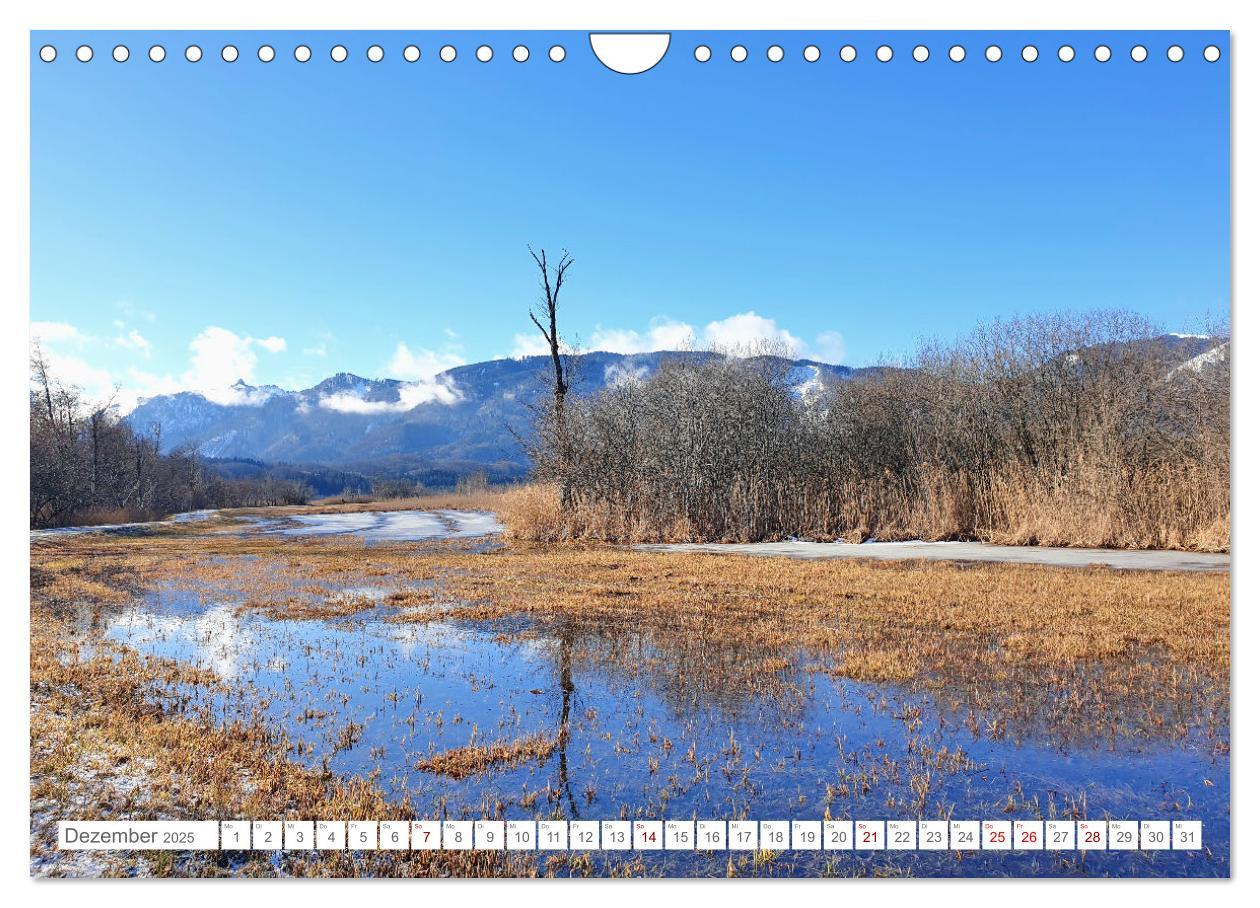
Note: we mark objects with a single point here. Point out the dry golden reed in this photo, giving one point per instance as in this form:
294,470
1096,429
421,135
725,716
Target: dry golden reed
477,758
1183,512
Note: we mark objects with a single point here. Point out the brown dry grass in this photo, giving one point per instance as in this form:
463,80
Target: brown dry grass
309,605
490,499
1003,649
1153,511
1088,653
162,764
478,758
823,603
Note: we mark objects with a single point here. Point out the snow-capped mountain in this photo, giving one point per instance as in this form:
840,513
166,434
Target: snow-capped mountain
463,419
460,419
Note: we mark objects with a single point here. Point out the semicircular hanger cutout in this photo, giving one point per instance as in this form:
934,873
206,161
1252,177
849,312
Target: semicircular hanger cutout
629,53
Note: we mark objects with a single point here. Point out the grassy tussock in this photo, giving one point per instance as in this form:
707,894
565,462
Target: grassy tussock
478,758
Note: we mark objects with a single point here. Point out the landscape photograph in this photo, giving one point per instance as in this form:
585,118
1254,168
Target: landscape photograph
454,428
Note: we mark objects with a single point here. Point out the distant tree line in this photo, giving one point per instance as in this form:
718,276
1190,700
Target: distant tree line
1068,429
88,465
321,480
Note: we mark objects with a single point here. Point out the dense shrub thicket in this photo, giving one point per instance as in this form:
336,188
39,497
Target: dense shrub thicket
1084,430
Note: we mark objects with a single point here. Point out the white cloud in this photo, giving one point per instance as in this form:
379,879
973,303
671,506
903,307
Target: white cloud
134,340
742,334
529,345
97,385
65,334
128,308
320,349
750,333
410,396
662,334
141,384
423,382
221,358
617,374
828,348
56,332
422,364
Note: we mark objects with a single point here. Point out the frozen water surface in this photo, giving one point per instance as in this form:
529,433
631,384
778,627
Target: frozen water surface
388,526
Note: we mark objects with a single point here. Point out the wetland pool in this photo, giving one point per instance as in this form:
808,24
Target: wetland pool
591,722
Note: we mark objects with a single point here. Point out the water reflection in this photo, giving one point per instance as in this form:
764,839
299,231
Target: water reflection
651,722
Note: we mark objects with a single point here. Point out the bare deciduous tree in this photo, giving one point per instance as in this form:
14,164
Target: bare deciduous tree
551,279
88,465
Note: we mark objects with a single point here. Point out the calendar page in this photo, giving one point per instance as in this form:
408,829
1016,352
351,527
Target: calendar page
678,453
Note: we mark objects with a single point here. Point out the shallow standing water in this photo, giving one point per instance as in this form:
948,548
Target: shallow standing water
664,729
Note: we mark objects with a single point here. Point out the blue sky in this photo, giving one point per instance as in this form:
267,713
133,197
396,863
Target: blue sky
196,223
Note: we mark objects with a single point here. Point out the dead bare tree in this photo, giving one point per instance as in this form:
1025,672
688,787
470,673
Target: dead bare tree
544,319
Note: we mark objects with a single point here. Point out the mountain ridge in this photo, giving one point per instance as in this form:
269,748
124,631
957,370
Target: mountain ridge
465,419
462,419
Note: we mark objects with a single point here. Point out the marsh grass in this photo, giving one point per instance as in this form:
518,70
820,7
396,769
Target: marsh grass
489,498
1162,509
477,758
164,763
1005,652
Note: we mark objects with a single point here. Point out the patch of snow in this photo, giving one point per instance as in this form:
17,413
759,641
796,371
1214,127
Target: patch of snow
473,523
186,517
1202,361
907,542
395,526
617,374
809,387
193,516
214,447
